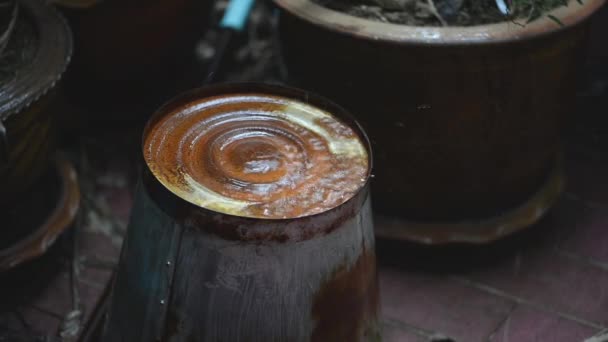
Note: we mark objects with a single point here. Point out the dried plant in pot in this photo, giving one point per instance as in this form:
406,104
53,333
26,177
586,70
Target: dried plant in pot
464,121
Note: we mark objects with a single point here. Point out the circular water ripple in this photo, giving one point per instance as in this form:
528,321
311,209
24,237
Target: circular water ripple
256,155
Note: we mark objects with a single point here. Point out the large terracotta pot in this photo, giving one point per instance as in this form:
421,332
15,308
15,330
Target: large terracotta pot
37,54
129,49
465,121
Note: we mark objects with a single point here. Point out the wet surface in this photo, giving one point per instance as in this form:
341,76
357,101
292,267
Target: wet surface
257,155
345,306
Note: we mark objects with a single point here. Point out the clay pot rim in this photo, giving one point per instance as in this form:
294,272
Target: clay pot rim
51,60
58,221
289,92
507,31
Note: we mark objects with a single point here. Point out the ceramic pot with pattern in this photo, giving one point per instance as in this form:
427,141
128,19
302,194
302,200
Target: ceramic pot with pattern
33,63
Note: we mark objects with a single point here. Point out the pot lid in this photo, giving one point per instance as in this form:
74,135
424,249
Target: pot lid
35,58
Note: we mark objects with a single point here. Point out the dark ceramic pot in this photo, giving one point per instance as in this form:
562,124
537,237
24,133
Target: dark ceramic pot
192,274
126,50
8,16
32,222
36,57
464,121
598,49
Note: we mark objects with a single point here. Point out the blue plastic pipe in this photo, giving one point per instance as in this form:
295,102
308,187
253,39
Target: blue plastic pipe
236,14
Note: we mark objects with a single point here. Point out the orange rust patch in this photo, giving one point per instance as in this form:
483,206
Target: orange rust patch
346,305
256,155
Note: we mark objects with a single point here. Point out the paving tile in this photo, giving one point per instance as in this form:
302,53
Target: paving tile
23,284
544,236
585,234
96,277
120,201
97,246
572,226
57,299
586,178
41,323
98,258
553,281
89,297
529,325
433,303
10,322
56,296
391,333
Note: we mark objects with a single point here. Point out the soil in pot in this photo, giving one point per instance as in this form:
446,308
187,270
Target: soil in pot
445,12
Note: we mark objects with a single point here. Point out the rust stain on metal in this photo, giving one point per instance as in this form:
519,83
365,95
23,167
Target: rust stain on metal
256,155
216,195
250,229
172,325
347,306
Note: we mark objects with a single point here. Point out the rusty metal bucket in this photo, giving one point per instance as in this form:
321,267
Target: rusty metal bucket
188,273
